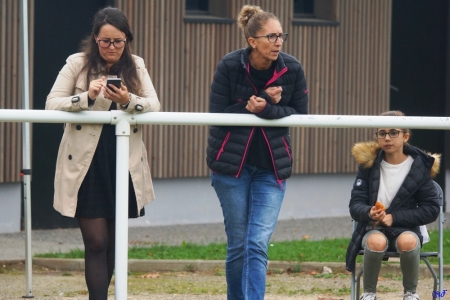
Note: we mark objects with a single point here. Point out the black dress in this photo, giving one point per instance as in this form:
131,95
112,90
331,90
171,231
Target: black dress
97,193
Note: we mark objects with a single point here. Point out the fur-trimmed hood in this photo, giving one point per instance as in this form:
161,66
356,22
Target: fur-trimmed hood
365,154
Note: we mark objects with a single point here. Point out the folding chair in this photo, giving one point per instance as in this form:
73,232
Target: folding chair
438,281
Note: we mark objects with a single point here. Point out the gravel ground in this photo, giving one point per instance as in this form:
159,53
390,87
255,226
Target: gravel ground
54,284
60,284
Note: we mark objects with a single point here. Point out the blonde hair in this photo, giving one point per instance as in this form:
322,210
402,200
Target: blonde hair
251,19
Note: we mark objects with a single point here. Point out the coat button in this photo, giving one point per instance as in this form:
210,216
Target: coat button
78,127
135,130
70,156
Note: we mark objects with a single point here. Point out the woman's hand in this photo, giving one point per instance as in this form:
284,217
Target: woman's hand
256,104
114,94
275,93
95,87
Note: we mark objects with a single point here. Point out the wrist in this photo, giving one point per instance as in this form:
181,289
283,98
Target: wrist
126,104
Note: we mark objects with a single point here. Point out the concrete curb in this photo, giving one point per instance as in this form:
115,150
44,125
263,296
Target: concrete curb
140,265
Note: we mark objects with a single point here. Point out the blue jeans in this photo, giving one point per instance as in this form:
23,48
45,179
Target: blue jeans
250,206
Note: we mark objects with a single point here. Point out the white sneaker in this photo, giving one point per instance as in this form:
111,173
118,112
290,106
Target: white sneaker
410,296
368,296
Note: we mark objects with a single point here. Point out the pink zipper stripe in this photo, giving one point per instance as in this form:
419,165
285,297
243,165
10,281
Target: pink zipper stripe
287,147
223,146
245,153
279,181
275,76
271,154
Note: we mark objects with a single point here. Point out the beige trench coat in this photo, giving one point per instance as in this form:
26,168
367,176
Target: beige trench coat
79,141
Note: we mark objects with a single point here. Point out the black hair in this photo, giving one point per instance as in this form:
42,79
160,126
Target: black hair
125,67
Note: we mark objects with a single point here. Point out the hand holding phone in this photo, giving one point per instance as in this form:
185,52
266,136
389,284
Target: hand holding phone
120,95
114,81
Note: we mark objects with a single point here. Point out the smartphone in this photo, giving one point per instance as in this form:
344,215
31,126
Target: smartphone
114,81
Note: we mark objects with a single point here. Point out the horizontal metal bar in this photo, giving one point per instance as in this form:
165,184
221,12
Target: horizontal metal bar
180,118
325,121
53,116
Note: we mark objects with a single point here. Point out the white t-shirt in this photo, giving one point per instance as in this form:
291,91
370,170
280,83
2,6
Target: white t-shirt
391,179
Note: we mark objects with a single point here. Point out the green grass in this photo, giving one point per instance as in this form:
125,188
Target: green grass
328,250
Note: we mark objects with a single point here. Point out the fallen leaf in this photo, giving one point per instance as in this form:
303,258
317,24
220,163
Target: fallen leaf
150,275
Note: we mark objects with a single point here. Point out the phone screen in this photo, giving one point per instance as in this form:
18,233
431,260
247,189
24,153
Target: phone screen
114,81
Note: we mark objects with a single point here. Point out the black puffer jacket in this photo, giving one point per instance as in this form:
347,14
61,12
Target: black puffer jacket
231,88
415,204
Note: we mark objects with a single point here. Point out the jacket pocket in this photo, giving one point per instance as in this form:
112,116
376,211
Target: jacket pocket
225,140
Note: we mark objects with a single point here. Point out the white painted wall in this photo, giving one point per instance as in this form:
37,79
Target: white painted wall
10,207
194,201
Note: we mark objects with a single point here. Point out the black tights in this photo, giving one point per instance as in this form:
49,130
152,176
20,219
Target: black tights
99,246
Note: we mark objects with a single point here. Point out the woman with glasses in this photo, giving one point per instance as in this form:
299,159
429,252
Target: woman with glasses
85,179
250,165
400,178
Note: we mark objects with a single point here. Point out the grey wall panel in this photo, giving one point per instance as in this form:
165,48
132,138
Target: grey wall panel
11,85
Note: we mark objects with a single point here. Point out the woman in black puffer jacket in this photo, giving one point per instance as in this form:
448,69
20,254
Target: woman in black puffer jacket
249,165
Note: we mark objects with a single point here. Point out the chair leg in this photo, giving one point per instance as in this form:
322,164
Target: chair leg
434,276
352,286
358,282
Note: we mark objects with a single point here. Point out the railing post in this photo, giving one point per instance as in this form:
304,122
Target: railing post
121,268
26,171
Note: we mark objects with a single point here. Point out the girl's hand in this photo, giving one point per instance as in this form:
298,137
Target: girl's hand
376,214
275,93
95,87
387,220
114,94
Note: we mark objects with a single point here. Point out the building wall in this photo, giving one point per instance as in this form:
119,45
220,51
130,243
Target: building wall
194,201
347,69
10,207
10,85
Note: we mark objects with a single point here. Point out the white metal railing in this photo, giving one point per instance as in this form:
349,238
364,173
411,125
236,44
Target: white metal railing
123,121
186,118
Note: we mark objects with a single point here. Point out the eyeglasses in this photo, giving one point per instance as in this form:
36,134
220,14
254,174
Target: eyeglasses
273,37
106,43
393,133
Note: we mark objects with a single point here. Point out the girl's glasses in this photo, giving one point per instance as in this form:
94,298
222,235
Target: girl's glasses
393,133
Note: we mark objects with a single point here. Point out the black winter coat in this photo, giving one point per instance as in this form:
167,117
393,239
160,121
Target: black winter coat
415,204
231,88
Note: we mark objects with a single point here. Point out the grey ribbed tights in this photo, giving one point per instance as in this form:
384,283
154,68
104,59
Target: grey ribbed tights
409,262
